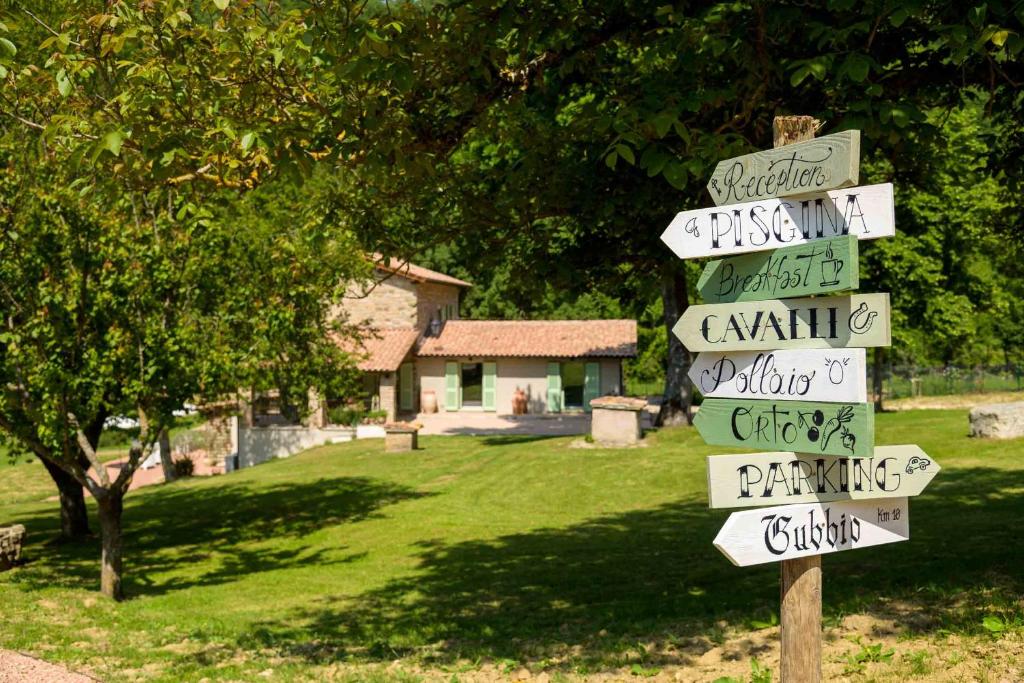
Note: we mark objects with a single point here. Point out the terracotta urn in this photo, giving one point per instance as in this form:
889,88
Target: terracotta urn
428,401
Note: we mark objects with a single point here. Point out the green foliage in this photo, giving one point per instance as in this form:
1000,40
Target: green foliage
352,417
183,467
857,662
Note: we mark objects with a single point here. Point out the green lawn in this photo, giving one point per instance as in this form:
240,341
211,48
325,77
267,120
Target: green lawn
508,551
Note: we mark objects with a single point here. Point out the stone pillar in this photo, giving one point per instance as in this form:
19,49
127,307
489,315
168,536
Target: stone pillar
317,417
389,395
11,540
615,420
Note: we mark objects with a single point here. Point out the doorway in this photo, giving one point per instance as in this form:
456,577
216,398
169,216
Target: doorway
472,385
574,378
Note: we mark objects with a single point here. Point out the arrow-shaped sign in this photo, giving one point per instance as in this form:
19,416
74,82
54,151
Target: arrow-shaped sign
857,321
788,531
751,479
811,268
817,165
865,212
838,375
826,428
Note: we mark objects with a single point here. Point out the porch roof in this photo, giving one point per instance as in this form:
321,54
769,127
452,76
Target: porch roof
384,349
532,338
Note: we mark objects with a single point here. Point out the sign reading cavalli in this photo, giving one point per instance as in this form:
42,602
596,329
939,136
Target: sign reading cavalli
864,212
858,320
814,166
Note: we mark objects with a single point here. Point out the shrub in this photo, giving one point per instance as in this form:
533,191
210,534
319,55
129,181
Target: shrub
184,467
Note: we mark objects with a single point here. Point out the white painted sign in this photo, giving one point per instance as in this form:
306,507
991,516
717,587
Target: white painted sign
833,375
752,479
866,212
790,531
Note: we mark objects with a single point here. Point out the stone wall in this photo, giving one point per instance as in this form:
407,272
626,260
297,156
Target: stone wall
11,540
260,444
389,394
391,303
432,299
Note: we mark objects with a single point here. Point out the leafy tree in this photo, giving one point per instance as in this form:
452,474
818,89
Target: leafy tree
142,303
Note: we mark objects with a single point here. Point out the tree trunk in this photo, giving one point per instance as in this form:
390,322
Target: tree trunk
74,519
165,455
678,397
877,377
111,506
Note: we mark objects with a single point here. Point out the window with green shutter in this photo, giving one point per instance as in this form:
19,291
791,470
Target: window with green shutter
452,393
490,389
554,388
591,384
406,388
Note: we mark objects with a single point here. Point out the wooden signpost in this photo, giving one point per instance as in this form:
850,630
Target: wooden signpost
838,375
812,166
788,374
864,212
750,479
829,428
809,268
793,531
824,322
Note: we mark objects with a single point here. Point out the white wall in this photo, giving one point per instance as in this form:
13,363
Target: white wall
529,374
255,445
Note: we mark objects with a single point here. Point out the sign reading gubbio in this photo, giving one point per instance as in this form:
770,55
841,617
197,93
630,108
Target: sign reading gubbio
782,367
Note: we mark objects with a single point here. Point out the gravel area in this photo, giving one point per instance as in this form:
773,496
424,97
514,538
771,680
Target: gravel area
18,668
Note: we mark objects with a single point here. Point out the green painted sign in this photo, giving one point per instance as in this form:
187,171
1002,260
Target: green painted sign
817,165
800,426
811,268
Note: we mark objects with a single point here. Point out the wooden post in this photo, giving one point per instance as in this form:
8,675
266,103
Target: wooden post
800,601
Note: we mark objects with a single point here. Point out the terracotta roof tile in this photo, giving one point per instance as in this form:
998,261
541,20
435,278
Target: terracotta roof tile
534,338
414,272
383,350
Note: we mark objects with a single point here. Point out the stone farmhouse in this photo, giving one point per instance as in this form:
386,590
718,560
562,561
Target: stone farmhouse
417,352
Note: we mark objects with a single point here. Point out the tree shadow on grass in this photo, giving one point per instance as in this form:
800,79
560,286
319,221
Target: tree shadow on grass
587,594
244,527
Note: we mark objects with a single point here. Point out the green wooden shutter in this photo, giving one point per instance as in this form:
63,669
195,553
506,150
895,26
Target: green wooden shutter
591,384
554,388
452,395
490,388
406,387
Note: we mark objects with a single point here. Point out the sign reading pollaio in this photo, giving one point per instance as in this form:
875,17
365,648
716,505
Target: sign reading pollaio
789,375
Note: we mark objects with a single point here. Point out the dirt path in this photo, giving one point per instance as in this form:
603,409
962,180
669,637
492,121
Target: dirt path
18,668
953,402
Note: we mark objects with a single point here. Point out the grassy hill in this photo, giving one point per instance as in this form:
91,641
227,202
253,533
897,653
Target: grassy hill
484,557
